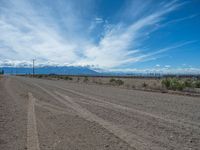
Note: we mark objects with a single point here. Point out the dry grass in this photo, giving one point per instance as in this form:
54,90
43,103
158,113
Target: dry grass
148,84
123,82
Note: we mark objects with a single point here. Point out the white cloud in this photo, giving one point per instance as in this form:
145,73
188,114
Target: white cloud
26,38
36,34
157,65
114,49
167,66
99,20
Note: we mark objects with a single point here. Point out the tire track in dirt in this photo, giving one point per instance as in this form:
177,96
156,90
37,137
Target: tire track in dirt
53,108
133,140
146,141
32,134
180,122
100,101
109,104
114,106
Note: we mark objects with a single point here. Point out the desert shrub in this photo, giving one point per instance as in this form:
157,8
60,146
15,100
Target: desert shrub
112,80
99,82
85,79
197,84
68,78
173,84
181,86
119,82
133,86
116,82
57,76
46,75
40,76
61,77
177,84
188,83
166,82
144,85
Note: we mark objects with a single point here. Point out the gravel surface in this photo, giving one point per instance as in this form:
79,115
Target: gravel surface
44,114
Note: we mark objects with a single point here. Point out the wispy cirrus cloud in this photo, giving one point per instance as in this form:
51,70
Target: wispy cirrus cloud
60,33
115,47
28,34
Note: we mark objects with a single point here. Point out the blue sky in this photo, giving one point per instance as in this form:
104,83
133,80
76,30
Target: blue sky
112,35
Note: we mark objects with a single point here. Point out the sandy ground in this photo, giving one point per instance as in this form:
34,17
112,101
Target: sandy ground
39,114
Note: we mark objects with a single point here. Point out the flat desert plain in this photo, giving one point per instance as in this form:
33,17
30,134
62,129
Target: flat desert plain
41,114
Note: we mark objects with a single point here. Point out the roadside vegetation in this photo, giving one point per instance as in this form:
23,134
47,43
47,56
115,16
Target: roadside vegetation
144,85
180,84
68,78
117,82
85,79
53,76
165,85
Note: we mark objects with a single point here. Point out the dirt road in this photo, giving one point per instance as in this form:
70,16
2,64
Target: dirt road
38,114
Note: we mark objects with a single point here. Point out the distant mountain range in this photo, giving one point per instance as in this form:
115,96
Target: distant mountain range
70,70
74,70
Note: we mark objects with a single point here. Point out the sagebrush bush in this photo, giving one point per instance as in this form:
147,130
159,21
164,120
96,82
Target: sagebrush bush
68,78
144,85
112,80
166,82
189,83
116,82
173,84
197,84
119,82
40,76
85,79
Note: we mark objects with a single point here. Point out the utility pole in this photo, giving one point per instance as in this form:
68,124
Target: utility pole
33,67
